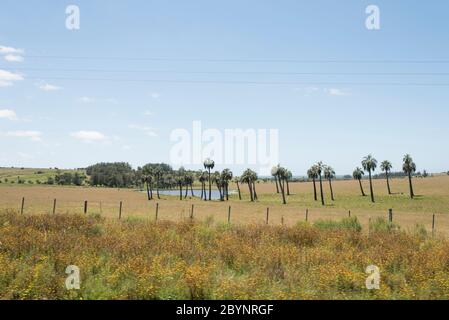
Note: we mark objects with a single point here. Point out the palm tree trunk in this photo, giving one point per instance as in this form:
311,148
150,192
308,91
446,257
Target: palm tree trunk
371,186
202,189
361,188
277,187
210,187
148,191
332,191
180,191
191,190
321,191
227,191
187,191
388,182
288,187
157,188
250,191
283,193
314,189
238,188
412,194
254,190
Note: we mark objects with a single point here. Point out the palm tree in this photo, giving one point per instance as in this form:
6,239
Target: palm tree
358,175
147,180
312,174
386,166
219,183
226,176
369,163
189,179
319,170
282,175
278,173
409,168
203,179
254,178
249,177
209,165
329,174
237,180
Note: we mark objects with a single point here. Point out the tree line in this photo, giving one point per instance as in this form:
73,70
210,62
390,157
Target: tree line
157,176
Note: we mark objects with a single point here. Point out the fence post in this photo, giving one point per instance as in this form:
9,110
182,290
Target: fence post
120,211
349,214
307,215
22,206
229,215
85,207
268,213
390,215
433,224
157,209
282,220
369,226
191,212
54,206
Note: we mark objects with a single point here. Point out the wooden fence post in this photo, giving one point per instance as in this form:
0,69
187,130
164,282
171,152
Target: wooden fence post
268,213
229,215
157,209
282,220
120,211
349,214
22,206
191,212
54,206
85,207
307,215
390,215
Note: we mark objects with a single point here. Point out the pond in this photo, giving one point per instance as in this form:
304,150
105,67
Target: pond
215,195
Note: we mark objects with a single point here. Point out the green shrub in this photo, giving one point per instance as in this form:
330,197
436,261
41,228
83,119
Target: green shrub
344,224
382,225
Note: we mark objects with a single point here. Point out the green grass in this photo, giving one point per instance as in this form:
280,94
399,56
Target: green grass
30,174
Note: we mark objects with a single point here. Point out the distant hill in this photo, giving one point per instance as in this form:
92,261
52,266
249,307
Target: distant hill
33,175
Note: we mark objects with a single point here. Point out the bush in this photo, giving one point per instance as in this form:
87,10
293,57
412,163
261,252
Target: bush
345,224
382,225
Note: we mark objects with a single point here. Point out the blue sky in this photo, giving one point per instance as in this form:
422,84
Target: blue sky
149,67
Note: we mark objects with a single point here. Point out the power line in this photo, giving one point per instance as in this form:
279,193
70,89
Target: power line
239,72
342,61
251,82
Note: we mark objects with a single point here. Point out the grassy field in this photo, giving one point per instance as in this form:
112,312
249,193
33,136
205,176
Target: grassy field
432,198
29,174
138,259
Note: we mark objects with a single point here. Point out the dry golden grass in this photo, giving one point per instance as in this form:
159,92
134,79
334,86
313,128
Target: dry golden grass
433,198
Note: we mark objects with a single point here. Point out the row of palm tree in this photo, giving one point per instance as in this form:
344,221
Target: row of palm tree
161,174
369,163
316,172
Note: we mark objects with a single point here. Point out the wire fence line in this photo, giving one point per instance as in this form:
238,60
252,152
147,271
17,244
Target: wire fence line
229,212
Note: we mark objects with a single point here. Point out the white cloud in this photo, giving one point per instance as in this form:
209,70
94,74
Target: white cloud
10,50
155,95
89,136
48,87
32,135
13,58
7,78
147,130
337,92
8,114
86,99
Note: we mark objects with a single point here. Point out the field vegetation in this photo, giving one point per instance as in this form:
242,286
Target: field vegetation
139,259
